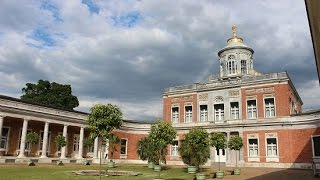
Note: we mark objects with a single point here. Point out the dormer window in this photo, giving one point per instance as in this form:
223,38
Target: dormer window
231,64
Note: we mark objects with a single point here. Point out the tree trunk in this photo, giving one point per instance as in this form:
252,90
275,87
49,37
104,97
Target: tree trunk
237,159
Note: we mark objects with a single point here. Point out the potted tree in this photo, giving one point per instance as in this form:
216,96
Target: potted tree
102,120
32,138
113,141
161,134
144,150
235,143
218,140
61,142
87,142
195,150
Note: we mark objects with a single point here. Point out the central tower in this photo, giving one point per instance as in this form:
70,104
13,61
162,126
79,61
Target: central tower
236,58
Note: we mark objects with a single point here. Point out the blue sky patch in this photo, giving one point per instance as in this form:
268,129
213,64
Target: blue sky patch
127,20
93,7
47,5
42,35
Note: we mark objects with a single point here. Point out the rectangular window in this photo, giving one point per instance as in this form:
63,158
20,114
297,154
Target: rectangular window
269,107
316,146
252,109
243,67
175,115
188,114
253,148
174,148
203,113
219,112
123,146
234,111
272,147
4,138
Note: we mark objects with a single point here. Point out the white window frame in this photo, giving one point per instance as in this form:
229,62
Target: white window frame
268,157
124,156
188,116
243,66
235,112
174,115
219,113
269,108
231,65
6,140
253,158
251,109
174,149
203,113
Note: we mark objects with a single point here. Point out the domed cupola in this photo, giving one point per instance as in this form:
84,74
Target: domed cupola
236,58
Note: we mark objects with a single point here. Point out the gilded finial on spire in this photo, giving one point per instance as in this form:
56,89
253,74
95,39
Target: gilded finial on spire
234,30
234,37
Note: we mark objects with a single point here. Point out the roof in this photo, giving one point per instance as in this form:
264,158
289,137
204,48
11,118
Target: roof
312,7
38,104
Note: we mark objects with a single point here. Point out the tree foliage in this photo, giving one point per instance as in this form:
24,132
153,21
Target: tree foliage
60,141
113,141
195,149
161,134
32,138
87,142
235,143
146,150
52,94
218,140
103,119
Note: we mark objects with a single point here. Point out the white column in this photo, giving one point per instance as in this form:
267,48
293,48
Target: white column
1,125
228,149
63,149
45,140
23,138
95,148
81,143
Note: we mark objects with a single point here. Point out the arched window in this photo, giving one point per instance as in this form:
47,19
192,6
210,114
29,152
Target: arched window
243,67
231,65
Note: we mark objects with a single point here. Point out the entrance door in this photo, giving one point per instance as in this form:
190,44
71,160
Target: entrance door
76,139
220,154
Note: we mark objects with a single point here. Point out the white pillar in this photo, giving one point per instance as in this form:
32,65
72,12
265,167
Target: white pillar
81,143
63,149
1,125
228,149
45,140
95,148
23,139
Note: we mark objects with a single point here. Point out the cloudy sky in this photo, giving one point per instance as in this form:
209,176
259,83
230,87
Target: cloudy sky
126,52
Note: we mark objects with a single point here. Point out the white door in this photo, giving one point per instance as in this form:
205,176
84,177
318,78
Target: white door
220,154
76,139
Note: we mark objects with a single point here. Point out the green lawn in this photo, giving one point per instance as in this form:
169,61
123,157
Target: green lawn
47,172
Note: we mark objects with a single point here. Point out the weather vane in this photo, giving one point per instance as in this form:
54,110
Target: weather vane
234,30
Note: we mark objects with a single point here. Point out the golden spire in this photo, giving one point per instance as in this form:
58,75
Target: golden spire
234,30
234,37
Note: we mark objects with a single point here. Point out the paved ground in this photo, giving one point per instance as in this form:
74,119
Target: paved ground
270,174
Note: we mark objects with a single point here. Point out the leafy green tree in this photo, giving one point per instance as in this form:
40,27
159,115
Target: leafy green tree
113,141
32,138
195,149
161,134
52,94
235,143
102,120
219,141
144,149
60,141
